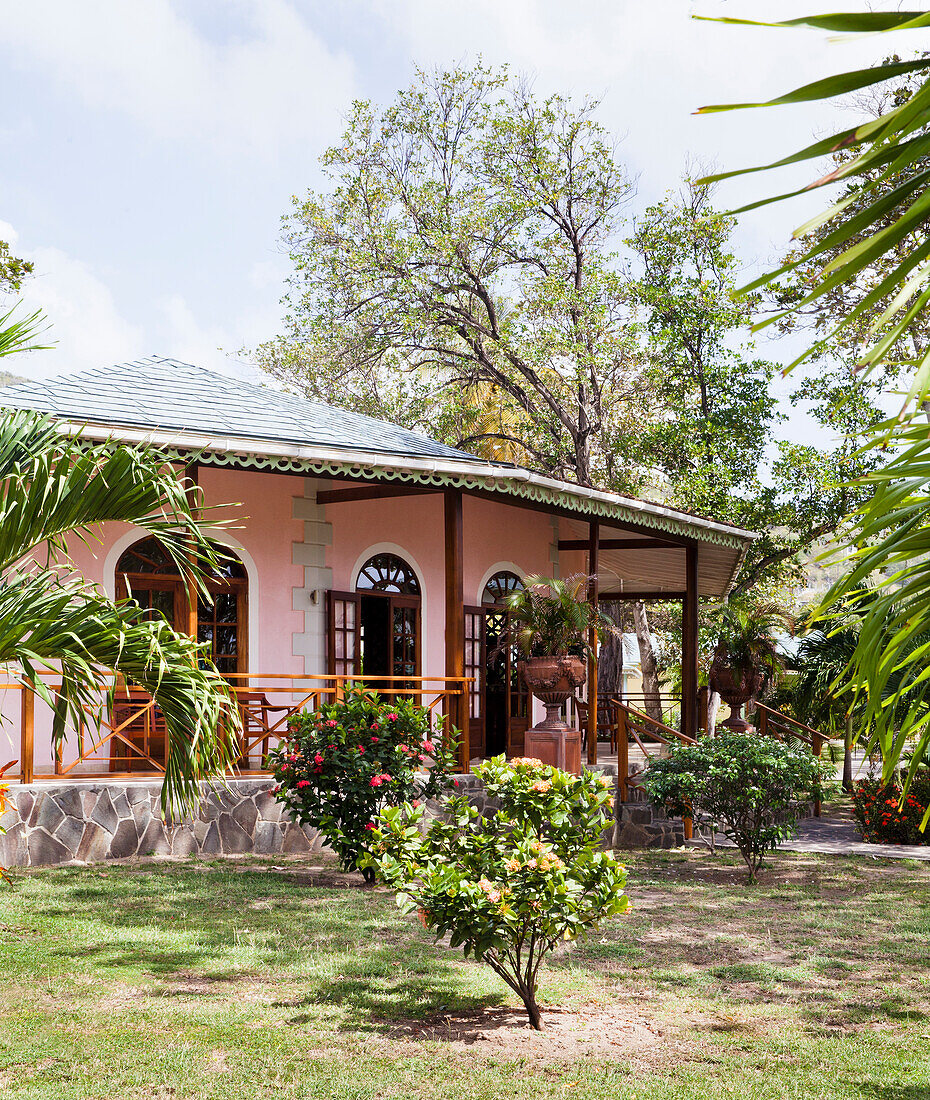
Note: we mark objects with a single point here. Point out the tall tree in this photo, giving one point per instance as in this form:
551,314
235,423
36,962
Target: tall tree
467,241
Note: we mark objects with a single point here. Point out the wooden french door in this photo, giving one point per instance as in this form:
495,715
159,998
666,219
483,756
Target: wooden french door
374,633
498,699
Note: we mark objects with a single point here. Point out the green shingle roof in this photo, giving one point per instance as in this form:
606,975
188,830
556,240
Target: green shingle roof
166,394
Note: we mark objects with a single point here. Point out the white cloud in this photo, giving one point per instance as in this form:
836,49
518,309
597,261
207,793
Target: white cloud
87,328
249,93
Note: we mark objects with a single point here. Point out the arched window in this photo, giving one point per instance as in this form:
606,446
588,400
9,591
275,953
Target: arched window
146,572
387,573
499,587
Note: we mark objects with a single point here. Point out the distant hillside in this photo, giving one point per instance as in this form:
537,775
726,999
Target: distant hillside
7,379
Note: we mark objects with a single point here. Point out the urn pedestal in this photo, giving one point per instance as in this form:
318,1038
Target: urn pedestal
553,680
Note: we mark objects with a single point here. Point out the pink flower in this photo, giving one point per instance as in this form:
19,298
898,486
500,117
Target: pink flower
374,726
455,782
361,748
375,781
392,717
375,740
318,759
332,722
370,826
330,746
428,746
403,748
303,783
415,803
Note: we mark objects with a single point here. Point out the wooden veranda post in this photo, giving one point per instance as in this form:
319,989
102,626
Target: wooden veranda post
192,472
27,734
689,645
594,533
455,616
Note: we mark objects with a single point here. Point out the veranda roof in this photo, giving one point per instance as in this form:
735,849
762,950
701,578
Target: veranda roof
189,411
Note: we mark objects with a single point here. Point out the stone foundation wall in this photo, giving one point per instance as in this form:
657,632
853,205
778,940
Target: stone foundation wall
51,823
89,821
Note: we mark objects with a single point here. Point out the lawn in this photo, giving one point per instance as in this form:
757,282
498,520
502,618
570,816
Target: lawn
254,979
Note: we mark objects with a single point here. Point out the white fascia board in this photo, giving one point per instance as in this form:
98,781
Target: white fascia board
493,475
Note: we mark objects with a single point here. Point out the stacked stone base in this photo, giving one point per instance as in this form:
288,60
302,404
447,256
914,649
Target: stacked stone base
89,821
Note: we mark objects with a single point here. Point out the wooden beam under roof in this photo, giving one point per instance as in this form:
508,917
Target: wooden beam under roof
621,544
371,492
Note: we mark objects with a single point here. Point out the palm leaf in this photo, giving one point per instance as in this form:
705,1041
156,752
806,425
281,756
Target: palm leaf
53,490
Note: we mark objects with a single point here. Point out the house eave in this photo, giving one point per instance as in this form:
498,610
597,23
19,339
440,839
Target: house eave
508,480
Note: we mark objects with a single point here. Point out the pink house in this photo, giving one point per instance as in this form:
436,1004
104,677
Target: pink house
359,547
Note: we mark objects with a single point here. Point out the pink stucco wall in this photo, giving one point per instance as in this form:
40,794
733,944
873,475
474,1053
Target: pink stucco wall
262,526
496,536
261,529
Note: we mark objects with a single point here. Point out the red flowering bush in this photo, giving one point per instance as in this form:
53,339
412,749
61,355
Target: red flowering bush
508,886
881,821
340,765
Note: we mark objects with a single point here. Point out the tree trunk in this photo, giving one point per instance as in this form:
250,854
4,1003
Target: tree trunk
652,703
610,658
532,1009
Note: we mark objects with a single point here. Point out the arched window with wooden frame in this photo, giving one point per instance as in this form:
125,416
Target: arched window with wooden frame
146,573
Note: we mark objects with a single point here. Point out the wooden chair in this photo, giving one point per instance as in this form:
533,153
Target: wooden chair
258,716
606,722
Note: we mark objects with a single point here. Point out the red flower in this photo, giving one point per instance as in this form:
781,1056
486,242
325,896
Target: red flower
361,748
303,783
455,782
375,781
415,803
370,825
318,759
375,740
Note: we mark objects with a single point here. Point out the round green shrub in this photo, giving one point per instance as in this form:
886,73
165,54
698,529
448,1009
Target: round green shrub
747,787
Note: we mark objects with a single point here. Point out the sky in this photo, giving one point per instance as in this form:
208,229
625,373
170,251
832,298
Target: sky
151,147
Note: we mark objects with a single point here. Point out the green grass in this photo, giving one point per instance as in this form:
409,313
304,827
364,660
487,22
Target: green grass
181,981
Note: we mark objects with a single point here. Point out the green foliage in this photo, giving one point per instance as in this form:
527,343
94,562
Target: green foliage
888,816
742,785
509,886
746,636
869,251
341,764
12,270
53,490
465,243
550,617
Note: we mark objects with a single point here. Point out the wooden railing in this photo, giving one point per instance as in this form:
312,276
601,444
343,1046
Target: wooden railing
773,723
644,730
125,735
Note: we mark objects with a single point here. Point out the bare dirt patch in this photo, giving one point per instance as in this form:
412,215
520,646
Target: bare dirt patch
593,1031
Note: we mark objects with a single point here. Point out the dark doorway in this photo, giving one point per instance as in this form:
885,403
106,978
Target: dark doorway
376,635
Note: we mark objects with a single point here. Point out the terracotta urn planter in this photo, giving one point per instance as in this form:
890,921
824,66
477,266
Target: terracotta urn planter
553,680
736,687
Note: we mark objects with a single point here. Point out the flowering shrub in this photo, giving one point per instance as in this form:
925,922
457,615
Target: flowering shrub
507,887
742,785
881,821
341,764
